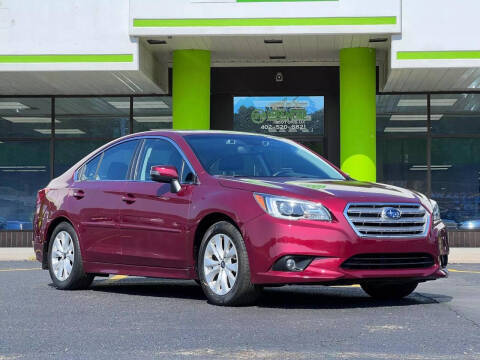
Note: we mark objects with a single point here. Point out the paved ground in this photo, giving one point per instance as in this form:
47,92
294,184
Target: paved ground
136,318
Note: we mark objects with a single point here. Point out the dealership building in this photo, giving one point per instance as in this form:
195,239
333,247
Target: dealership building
388,90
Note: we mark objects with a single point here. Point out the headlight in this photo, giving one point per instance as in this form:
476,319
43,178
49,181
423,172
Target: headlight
435,211
292,209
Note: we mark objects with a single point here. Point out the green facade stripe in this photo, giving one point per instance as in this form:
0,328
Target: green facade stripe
191,89
327,21
65,58
244,1
358,113
437,55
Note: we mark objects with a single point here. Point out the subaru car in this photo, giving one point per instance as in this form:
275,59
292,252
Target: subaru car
236,212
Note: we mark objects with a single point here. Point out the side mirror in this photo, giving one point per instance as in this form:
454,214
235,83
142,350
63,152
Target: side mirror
166,174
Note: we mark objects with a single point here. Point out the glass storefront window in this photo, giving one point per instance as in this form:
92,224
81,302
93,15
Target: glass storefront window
96,117
152,113
455,114
24,169
402,162
68,152
456,179
401,115
25,117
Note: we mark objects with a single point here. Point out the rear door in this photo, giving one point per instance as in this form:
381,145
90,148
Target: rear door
154,222
98,193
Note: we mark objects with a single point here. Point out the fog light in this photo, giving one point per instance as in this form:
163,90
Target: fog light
294,263
290,264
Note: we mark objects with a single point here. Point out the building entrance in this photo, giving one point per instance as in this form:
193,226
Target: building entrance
299,103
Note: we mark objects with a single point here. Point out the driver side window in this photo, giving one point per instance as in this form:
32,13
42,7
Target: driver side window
161,152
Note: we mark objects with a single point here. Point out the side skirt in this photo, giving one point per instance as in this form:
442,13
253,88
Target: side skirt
133,270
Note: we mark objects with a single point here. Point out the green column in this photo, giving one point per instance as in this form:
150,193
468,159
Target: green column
358,113
191,89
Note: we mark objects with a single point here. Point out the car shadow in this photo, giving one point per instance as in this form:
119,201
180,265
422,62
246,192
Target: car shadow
322,297
287,297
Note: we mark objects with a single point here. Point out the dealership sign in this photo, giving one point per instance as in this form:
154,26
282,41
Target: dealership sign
279,115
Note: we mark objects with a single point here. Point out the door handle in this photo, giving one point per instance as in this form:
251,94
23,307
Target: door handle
129,199
78,194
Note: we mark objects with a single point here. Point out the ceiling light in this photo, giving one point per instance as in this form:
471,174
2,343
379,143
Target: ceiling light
120,104
423,102
432,167
425,169
61,131
13,105
415,117
150,105
139,104
23,170
156,42
22,167
273,41
29,120
378,40
443,102
153,119
278,57
406,129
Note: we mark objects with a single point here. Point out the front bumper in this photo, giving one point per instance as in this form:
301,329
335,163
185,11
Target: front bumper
331,244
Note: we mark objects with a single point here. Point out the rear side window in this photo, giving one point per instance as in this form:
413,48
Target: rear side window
116,161
112,164
89,172
161,152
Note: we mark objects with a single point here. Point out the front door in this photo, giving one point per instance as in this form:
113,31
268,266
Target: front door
153,220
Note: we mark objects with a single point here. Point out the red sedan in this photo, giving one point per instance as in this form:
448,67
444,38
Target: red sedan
235,212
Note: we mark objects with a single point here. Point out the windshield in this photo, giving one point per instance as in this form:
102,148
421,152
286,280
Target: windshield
257,156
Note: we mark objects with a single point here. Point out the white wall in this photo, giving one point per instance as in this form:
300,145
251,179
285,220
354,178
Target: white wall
34,27
438,25
74,27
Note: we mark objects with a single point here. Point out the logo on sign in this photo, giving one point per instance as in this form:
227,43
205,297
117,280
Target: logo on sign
391,213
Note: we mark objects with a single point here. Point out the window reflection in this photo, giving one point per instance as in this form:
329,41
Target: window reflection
92,117
402,162
401,115
152,113
455,114
24,169
25,117
456,179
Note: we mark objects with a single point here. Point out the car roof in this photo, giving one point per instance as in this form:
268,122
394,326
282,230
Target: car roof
183,133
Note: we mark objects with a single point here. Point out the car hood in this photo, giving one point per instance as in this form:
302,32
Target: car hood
326,190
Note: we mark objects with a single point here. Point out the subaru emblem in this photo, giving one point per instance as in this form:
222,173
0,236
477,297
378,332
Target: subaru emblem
391,213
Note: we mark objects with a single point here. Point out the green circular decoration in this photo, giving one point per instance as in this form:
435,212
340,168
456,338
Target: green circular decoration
258,116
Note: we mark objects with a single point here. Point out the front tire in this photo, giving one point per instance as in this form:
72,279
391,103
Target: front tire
65,259
223,267
389,291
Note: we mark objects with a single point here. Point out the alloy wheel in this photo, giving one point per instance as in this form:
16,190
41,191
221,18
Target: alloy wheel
62,255
220,264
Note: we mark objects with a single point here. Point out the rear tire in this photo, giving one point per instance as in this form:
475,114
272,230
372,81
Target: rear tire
65,260
389,291
223,267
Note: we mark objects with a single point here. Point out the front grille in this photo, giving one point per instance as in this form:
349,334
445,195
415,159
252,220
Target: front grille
369,220
389,261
